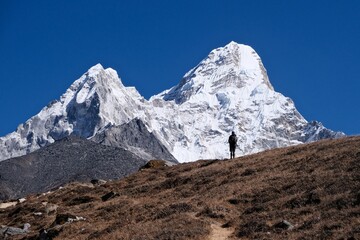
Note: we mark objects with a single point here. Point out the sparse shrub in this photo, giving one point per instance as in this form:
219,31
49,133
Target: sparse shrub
151,178
254,209
208,162
80,200
252,227
226,181
308,224
288,186
357,200
248,172
140,189
95,235
294,203
180,227
172,174
227,225
163,213
312,198
173,209
208,212
181,207
22,210
339,204
234,201
237,166
174,182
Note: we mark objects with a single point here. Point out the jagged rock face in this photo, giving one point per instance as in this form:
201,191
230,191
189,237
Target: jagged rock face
228,91
135,137
69,159
314,131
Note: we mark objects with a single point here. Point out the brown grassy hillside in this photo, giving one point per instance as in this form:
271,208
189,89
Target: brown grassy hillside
314,187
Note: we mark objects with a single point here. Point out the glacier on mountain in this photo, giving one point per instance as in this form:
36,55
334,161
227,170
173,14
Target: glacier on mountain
227,91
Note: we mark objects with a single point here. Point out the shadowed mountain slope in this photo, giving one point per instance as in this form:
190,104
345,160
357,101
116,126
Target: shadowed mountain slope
135,137
70,159
309,191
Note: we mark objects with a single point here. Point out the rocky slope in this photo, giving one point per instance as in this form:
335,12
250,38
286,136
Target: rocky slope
309,191
135,137
228,91
69,159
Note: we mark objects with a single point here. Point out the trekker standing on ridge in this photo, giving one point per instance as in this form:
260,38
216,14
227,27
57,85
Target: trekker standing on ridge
232,143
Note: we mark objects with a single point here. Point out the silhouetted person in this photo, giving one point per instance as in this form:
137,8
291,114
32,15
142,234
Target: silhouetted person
232,143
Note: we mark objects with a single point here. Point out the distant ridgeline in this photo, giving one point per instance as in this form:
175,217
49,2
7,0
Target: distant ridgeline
227,91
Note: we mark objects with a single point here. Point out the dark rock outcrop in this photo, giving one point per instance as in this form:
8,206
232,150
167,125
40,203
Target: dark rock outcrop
70,159
154,164
135,137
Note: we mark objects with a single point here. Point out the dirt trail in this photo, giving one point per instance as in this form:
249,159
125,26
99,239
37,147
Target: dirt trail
219,233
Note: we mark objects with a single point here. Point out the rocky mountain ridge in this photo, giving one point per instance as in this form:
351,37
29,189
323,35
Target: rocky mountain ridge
67,160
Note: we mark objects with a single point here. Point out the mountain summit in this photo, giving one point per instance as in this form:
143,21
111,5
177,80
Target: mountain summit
227,91
233,66
93,103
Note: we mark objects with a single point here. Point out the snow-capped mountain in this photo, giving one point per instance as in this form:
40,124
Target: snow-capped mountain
228,91
94,102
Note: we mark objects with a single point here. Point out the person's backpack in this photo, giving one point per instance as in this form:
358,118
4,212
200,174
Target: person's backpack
232,139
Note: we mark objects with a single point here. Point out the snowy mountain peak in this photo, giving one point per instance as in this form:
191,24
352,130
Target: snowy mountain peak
235,66
229,90
242,60
100,99
94,101
95,77
96,68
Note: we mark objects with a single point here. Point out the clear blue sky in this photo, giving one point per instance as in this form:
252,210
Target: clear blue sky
310,49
